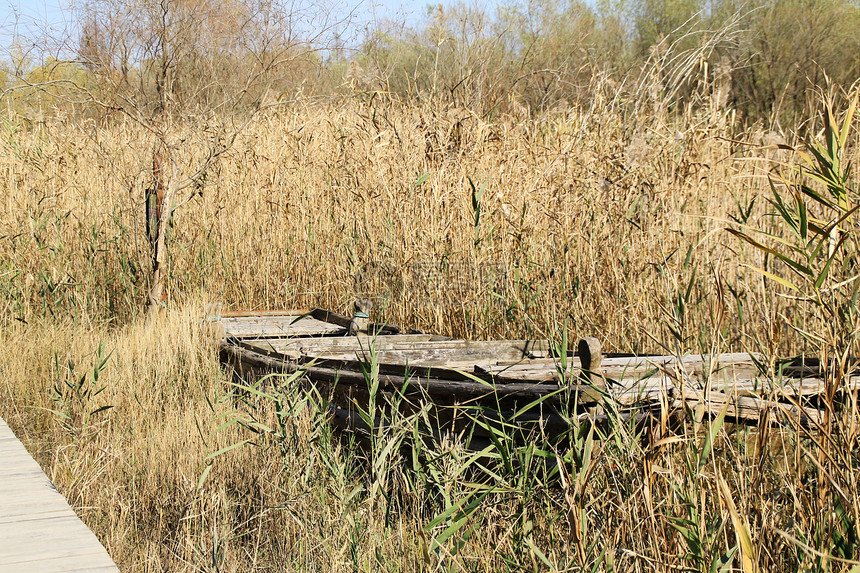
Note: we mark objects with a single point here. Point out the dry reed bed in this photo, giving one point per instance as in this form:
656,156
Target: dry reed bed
598,221
133,471
305,502
587,218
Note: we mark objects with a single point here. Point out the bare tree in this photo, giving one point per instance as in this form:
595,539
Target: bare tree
193,73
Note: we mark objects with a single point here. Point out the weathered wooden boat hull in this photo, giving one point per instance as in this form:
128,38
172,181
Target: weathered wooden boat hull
528,384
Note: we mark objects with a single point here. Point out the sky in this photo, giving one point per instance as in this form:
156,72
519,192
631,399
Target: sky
34,21
55,15
34,15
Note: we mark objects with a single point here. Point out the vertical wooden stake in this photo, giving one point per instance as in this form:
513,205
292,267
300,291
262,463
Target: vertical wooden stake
360,317
212,320
590,356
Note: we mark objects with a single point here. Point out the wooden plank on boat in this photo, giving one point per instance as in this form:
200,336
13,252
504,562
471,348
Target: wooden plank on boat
813,386
38,529
747,400
748,408
413,355
525,370
360,343
278,326
251,313
454,390
724,367
651,389
448,359
757,387
510,349
466,369
442,352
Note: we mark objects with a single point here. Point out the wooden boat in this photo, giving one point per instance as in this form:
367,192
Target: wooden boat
528,382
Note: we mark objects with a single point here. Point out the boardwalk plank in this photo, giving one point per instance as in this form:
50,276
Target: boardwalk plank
39,532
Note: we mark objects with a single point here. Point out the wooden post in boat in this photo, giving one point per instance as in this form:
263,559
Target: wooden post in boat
212,321
590,356
584,388
360,317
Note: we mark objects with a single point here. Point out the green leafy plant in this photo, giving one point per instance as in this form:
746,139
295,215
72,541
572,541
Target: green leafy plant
815,239
477,207
702,533
74,395
816,234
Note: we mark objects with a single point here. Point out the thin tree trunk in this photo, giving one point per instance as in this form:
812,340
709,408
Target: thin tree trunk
157,295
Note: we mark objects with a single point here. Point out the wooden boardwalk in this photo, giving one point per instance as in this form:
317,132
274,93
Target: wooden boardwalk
39,532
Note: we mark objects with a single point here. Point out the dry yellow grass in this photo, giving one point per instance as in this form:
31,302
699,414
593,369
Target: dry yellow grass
587,218
600,221
132,472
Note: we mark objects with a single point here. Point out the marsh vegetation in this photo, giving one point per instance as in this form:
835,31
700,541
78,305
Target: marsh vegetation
523,173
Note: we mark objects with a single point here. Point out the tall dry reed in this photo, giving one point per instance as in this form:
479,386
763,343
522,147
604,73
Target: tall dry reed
463,225
512,226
